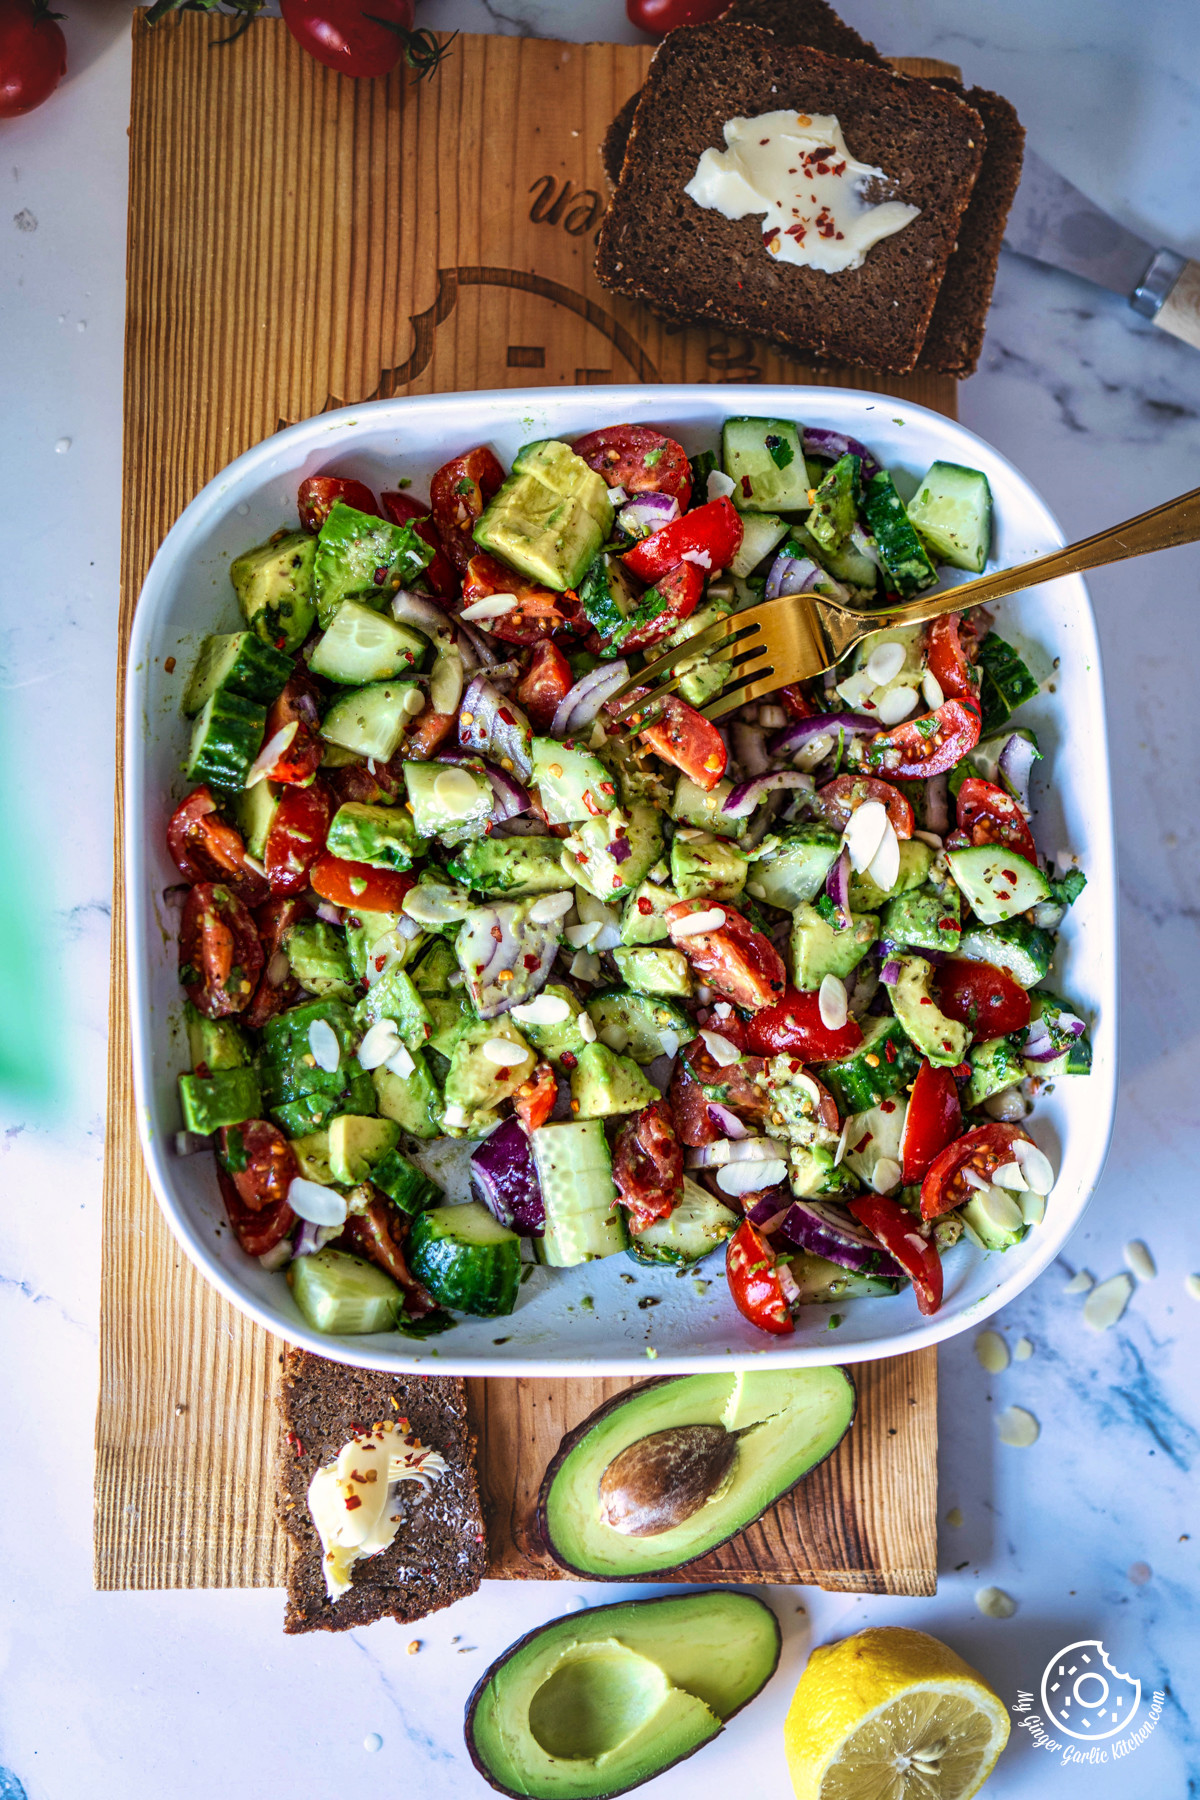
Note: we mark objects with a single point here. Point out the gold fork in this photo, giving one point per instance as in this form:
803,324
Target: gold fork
801,635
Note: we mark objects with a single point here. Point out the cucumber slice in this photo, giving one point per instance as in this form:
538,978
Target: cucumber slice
591,852
254,812
466,1259
226,738
371,720
1017,947
449,801
765,460
343,1295
697,1224
693,805
952,510
996,883
796,872
574,784
1005,683
900,549
822,1282
409,1187
994,1219
875,1136
760,534
362,645
238,663
884,1064
583,1220
226,1097
634,1024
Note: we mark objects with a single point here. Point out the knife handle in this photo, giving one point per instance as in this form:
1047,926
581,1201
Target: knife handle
1180,311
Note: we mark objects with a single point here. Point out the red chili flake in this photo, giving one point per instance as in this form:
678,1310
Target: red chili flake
379,577
294,1441
505,717
645,907
826,223
887,1106
925,1001
532,962
501,1075
947,924
497,934
747,486
1003,895
862,1143
1009,874
353,1502
568,1059
961,1072
799,232
590,803
889,1050
794,1067
606,787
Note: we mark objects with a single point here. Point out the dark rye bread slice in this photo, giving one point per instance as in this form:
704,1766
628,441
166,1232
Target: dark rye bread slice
657,245
439,1552
809,22
955,335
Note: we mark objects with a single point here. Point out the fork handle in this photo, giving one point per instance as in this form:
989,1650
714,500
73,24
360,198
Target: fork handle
1175,522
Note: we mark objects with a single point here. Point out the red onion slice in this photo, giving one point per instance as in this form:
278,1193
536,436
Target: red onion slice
791,575
821,442
750,748
647,513
726,1121
1015,767
837,885
769,1212
492,724
581,704
825,1230
418,610
937,803
504,1178
485,652
829,724
743,799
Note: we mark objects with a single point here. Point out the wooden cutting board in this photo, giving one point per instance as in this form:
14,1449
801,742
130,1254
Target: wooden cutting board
296,241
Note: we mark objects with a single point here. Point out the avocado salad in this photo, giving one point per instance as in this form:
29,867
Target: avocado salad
776,985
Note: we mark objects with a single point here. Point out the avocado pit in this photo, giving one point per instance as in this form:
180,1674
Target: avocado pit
660,1481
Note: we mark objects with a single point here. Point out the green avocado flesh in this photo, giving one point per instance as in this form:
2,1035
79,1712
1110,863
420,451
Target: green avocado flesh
596,1703
795,1418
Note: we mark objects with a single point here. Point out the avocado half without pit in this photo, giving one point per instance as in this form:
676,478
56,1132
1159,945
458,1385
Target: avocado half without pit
665,1473
594,1704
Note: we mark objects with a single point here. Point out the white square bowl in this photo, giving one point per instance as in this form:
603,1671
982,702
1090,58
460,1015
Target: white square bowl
610,1317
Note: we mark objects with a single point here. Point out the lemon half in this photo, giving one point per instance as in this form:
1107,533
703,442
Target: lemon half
892,1714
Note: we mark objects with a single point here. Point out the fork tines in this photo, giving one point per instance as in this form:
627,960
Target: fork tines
729,639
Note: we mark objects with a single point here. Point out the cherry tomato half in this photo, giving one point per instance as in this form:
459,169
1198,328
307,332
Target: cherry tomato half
638,459
982,1151
260,1162
687,740
220,957
753,1282
926,746
317,494
427,734
982,997
534,1100
794,1024
667,604
947,659
794,701
277,986
205,848
713,532
736,961
933,1120
439,573
990,816
33,55
458,494
698,1080
256,1232
299,756
648,1165
549,680
846,793
358,885
297,837
379,1233
539,611
901,1235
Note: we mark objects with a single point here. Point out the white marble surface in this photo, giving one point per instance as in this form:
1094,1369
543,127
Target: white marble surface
134,1695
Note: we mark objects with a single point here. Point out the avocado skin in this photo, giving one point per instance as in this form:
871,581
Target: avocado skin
477,1692
580,1431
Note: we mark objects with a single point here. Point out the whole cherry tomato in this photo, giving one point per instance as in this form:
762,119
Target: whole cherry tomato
738,962
987,815
659,16
438,573
713,532
534,1100
205,848
220,956
259,1161
648,1165
947,659
297,837
363,38
639,459
982,1152
901,1235
358,885
33,55
933,1120
982,997
458,494
930,745
317,494
794,1024
687,740
846,793
753,1282
549,680
256,1232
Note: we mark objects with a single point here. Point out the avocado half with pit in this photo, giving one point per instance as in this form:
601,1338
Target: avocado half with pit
594,1704
666,1472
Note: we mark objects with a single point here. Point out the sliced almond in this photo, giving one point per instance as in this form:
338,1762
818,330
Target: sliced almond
400,1062
380,1042
587,1029
1139,1259
994,1603
456,790
550,907
885,1176
864,833
1079,1283
885,662
1033,1207
1010,1176
711,919
504,1052
931,690
326,1051
1017,1428
884,867
832,1003
1105,1304
723,1053
547,1009
493,606
1022,1350
992,1352
1035,1166
896,704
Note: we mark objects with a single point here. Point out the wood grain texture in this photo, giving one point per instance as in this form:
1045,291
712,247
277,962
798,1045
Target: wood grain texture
296,241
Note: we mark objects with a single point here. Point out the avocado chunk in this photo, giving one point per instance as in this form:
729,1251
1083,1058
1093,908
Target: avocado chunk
394,997
550,517
356,1143
650,971
600,1701
927,917
820,949
941,1039
916,860
383,836
603,1084
274,586
412,1100
320,961
481,1075
643,918
707,867
517,865
361,556
226,1097
557,1041
784,1422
